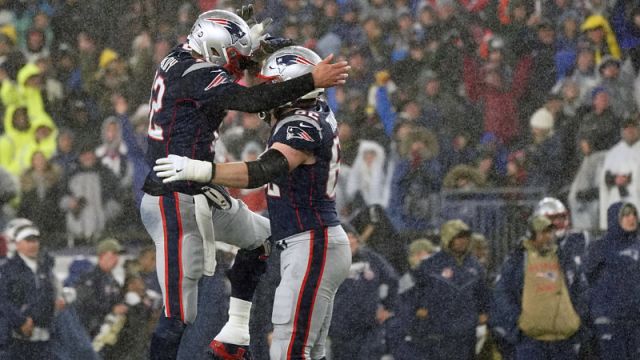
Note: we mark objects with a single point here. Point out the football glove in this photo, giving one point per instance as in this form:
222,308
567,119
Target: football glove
217,196
246,13
258,32
180,168
269,45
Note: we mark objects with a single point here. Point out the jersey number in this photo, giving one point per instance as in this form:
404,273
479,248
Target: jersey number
334,168
157,93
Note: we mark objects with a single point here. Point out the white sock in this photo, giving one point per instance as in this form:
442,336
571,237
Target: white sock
236,330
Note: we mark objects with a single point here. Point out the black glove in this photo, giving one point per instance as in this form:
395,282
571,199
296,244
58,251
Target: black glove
217,196
246,13
270,45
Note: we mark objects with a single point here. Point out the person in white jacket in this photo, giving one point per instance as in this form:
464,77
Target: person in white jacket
367,175
620,179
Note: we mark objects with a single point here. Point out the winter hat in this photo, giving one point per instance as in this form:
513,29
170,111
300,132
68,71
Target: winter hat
542,119
27,232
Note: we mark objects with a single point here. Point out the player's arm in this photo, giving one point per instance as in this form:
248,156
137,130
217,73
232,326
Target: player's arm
279,160
271,95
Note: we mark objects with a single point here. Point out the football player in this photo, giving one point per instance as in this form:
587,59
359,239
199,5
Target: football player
194,86
300,169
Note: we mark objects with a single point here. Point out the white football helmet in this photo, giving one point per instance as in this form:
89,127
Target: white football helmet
555,211
288,63
222,38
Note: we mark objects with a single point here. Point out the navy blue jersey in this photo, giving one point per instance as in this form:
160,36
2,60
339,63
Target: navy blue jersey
184,116
305,198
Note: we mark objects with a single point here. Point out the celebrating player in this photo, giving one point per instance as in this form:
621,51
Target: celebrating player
301,168
193,88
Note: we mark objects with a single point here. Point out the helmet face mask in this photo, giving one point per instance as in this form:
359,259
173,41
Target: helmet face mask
221,38
288,63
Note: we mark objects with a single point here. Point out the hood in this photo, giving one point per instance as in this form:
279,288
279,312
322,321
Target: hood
472,174
451,229
26,72
103,132
423,135
596,21
614,230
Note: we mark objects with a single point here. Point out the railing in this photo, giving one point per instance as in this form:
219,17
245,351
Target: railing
500,214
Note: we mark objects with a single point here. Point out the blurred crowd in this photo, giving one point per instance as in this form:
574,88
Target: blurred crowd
444,96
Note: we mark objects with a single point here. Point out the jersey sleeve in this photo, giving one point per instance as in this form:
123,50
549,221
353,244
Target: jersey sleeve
204,80
299,132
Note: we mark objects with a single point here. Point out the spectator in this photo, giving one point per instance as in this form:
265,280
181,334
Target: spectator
66,70
600,124
98,292
40,190
9,189
419,250
613,274
463,177
66,156
584,74
444,114
367,177
145,267
90,197
543,66
29,294
584,199
363,303
602,38
113,152
499,88
544,158
450,300
620,179
16,140
416,176
537,300
626,24
132,340
618,86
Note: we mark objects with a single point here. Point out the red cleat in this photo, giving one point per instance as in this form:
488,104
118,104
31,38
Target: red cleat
224,351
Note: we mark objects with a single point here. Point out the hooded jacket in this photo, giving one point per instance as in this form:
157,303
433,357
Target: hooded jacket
452,289
596,21
613,271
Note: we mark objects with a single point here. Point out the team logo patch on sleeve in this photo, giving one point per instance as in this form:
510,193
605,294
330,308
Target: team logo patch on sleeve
219,79
294,132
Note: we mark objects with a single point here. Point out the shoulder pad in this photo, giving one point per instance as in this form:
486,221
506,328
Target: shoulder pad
301,121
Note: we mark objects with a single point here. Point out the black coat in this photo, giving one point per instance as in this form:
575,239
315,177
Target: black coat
24,294
97,293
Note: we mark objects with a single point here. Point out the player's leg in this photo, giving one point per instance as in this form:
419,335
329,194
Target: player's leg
245,229
304,297
169,220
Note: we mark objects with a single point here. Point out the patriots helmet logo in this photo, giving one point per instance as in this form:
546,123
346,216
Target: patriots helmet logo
294,132
290,59
234,29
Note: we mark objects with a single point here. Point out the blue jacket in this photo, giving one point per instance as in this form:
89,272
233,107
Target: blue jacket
506,304
627,34
358,298
25,294
453,293
409,206
613,272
